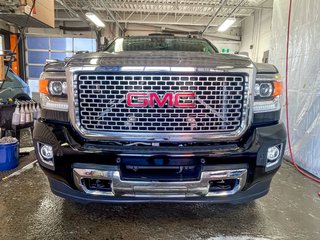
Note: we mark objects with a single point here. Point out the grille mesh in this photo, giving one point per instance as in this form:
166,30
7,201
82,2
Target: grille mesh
103,105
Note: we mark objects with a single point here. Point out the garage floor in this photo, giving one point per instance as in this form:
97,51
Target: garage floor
28,210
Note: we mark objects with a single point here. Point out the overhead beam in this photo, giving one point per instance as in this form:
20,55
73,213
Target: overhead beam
187,30
192,6
138,21
111,15
233,10
167,11
63,4
114,5
214,16
160,11
171,10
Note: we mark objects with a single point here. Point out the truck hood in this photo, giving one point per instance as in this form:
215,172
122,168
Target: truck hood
161,58
266,68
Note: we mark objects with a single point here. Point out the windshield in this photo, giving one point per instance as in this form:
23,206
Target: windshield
161,43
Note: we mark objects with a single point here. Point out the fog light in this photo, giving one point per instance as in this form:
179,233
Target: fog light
46,154
273,153
46,151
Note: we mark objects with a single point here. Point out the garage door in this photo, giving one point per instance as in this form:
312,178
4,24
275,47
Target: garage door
40,49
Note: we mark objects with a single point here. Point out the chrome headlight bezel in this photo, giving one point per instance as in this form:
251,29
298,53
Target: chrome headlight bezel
53,97
270,100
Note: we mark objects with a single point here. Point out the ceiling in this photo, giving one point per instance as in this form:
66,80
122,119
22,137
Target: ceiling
179,15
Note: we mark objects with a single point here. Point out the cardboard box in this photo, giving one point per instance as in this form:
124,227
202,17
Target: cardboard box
43,11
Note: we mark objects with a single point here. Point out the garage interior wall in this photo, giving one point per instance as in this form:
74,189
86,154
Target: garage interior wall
304,76
256,32
233,46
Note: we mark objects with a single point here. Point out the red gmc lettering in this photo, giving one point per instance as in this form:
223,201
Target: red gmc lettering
168,97
139,99
142,102
184,95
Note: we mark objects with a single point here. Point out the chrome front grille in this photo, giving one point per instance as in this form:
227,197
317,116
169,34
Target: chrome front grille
218,104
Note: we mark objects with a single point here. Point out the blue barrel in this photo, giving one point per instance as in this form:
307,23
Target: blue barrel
9,156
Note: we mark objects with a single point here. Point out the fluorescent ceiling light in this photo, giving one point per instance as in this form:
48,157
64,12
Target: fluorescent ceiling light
93,18
226,24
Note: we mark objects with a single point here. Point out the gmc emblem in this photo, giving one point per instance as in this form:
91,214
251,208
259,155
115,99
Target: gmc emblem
142,99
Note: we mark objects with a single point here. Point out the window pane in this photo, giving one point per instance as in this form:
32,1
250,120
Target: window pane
84,44
60,55
34,71
37,43
34,85
37,57
61,44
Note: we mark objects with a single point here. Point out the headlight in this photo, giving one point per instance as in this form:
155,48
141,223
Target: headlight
53,91
263,90
267,92
57,88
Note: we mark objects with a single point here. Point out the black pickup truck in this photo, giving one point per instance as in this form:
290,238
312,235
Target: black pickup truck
160,119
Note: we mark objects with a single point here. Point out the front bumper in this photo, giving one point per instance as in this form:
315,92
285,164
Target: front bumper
117,186
248,154
255,191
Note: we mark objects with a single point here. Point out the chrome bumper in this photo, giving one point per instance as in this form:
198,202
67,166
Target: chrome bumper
153,189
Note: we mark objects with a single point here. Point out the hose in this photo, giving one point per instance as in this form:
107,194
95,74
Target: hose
287,103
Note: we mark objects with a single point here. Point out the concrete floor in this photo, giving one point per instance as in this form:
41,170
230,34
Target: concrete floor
28,210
